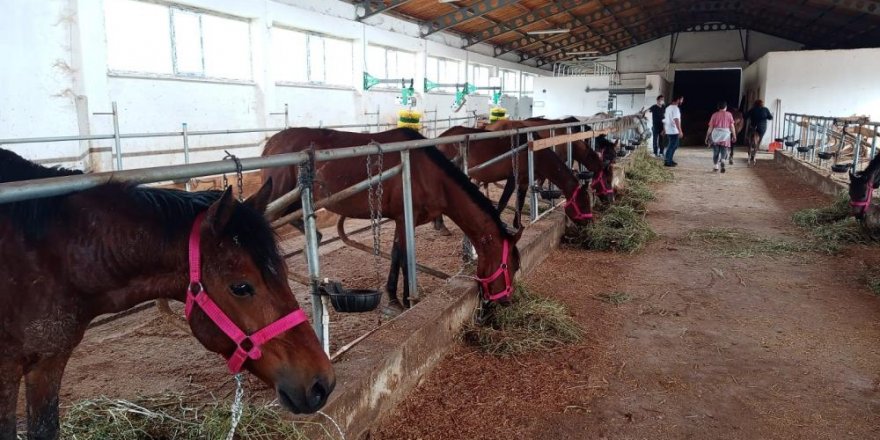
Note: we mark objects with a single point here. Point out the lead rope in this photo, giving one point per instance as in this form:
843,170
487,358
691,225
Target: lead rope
237,406
374,199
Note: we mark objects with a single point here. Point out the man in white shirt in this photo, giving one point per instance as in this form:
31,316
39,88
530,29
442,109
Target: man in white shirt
672,127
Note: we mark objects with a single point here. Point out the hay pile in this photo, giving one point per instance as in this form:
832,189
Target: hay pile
622,226
169,416
830,227
738,243
529,323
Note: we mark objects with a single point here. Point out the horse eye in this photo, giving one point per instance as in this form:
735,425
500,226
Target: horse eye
242,289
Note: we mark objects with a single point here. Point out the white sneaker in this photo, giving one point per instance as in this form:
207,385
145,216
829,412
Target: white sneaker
716,167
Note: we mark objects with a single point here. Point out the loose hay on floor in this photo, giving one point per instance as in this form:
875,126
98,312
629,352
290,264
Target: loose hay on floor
620,228
529,323
812,217
644,168
831,226
737,243
170,416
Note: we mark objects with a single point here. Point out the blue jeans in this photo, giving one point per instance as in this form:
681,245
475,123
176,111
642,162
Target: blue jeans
673,145
658,141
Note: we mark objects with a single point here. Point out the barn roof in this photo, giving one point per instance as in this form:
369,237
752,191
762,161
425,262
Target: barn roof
609,26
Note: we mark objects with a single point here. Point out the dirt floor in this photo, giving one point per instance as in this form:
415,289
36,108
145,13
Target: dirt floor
706,347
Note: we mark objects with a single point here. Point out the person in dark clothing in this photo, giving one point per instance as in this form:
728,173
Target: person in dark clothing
658,111
757,119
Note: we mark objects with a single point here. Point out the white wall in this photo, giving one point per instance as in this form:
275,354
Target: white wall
55,76
567,96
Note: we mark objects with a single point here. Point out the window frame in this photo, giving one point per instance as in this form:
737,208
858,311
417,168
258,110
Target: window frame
309,81
518,74
176,73
386,49
444,90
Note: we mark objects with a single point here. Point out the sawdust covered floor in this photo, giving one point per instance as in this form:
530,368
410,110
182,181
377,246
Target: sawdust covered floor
702,347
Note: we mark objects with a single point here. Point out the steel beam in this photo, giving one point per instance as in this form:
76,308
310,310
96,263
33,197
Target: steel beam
462,15
533,16
368,8
576,23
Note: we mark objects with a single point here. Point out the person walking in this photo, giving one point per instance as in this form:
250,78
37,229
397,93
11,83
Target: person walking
721,135
657,112
757,117
672,127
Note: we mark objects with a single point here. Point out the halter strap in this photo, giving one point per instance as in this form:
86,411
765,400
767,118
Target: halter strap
578,214
864,203
504,270
599,184
247,346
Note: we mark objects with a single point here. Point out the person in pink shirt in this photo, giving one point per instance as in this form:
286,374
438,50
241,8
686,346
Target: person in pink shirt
722,132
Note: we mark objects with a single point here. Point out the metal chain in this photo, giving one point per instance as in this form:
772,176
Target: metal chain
374,199
237,406
238,175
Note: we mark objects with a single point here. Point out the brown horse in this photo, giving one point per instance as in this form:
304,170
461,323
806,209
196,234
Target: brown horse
547,166
738,123
601,166
438,187
67,259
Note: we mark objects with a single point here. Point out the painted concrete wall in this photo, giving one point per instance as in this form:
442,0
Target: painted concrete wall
564,96
818,82
57,76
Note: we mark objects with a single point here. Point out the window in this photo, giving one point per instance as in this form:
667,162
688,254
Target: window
509,81
389,63
528,84
302,57
445,71
480,77
154,38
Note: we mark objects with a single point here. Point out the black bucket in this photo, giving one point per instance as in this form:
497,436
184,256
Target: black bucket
840,167
351,300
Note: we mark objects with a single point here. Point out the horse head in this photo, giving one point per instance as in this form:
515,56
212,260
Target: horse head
236,272
496,272
861,188
579,207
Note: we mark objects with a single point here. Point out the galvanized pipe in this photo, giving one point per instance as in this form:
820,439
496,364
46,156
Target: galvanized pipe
533,200
497,159
186,152
409,227
857,149
282,203
320,316
117,142
340,195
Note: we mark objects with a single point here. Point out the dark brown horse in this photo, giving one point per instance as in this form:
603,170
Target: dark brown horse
438,187
67,259
738,123
861,193
547,165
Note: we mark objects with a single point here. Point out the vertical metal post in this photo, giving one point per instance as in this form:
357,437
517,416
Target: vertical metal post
185,133
466,246
116,139
874,142
857,149
320,316
533,200
568,159
409,226
286,116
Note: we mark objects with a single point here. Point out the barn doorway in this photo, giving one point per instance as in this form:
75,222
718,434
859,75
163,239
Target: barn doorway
702,89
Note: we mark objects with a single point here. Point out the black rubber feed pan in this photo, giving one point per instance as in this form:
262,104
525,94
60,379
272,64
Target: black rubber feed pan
825,155
779,140
791,143
840,167
351,300
550,194
622,153
804,149
585,175
630,147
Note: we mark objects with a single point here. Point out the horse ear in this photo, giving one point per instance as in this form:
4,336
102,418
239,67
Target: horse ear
261,198
220,212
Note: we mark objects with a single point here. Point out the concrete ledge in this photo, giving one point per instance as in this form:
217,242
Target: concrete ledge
377,374
819,178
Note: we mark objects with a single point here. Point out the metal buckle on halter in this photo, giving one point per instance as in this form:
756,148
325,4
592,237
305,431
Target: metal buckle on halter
196,287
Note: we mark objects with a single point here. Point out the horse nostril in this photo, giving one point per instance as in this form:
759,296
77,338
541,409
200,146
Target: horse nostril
317,395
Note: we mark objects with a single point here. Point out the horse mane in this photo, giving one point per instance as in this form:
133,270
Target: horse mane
29,216
464,183
177,210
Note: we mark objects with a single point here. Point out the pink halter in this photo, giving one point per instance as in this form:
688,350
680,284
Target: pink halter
504,269
865,203
196,295
599,184
578,214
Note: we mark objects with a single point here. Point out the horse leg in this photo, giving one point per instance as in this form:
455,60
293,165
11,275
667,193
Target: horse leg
42,384
505,195
402,250
521,191
440,227
393,275
9,383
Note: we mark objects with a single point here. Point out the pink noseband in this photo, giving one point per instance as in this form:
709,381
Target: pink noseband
196,295
863,205
504,270
599,184
578,214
